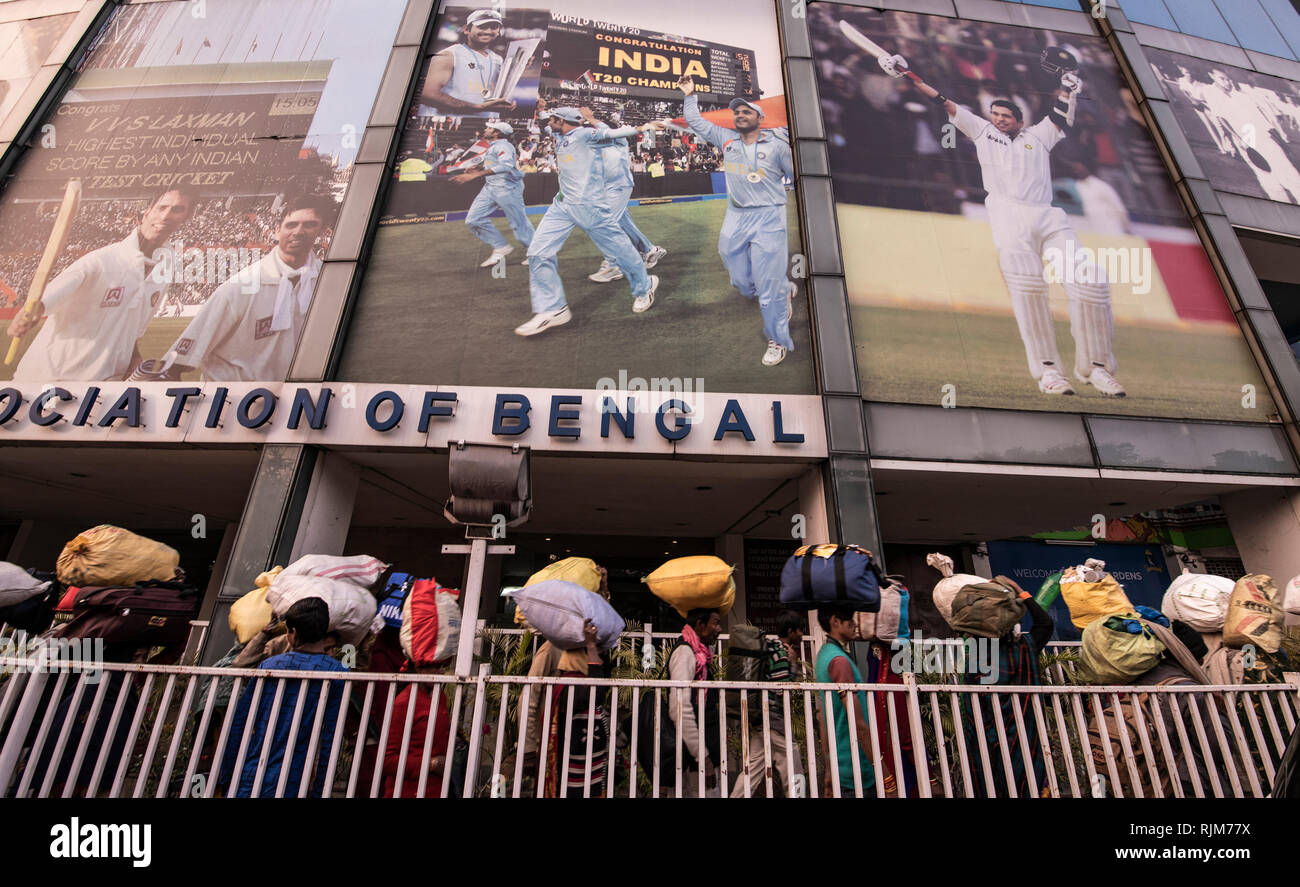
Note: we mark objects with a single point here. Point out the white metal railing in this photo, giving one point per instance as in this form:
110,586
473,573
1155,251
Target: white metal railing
162,731
662,641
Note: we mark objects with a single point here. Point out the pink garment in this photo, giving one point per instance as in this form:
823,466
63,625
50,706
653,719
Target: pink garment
701,653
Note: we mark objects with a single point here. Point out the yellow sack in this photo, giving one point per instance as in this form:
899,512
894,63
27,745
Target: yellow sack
578,570
1089,601
251,613
1254,616
108,555
689,583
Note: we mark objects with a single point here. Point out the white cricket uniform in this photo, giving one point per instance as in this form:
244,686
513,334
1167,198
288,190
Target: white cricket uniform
96,311
234,338
1018,178
1017,175
473,74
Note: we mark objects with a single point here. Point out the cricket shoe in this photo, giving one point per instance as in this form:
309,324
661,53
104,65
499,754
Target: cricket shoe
608,271
1052,382
1101,379
643,303
775,354
497,255
543,321
652,258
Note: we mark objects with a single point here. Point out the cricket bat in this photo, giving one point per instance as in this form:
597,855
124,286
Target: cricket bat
53,247
866,44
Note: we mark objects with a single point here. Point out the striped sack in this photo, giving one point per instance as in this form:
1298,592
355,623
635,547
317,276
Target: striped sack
430,629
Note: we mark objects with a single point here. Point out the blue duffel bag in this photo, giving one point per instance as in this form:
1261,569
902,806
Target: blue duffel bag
831,574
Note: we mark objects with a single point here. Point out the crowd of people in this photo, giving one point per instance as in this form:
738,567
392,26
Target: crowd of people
571,745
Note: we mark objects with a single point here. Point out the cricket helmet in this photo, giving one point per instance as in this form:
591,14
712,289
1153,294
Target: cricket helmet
1057,60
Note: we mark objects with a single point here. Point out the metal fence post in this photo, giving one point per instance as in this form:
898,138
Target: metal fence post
919,756
19,726
476,730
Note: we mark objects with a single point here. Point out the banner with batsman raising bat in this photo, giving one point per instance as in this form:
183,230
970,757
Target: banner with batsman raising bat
170,220
1010,236
625,211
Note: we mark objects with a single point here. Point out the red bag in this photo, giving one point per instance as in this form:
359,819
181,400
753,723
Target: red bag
430,629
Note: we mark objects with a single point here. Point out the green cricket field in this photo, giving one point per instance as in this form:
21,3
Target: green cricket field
909,355
428,314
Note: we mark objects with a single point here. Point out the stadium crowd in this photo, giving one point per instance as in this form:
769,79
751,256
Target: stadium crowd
222,223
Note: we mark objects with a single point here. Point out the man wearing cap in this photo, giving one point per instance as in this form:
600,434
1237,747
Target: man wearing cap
753,241
462,76
504,188
581,203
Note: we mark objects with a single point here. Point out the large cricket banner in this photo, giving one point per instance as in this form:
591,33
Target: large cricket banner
209,154
487,177
1010,236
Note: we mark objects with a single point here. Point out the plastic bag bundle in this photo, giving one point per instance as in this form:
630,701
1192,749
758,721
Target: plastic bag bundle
578,570
251,613
108,555
1090,593
430,631
1291,597
17,585
1200,600
946,588
695,582
353,609
1118,648
558,610
1254,614
361,570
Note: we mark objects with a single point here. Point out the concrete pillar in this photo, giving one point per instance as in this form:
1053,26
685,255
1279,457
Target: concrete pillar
731,548
264,536
327,513
812,505
1265,523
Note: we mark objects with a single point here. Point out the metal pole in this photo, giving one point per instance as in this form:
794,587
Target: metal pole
469,607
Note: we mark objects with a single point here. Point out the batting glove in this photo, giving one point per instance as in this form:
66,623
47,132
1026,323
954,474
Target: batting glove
895,66
1070,82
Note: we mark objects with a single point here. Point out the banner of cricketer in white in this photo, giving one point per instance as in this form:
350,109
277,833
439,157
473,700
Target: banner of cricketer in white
97,309
249,327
